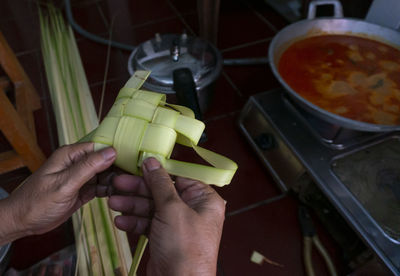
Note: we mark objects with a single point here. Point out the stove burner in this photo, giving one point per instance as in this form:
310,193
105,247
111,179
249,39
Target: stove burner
334,136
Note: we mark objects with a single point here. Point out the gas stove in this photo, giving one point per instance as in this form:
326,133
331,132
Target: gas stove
359,172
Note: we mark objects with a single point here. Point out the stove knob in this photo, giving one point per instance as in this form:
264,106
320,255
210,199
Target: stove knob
265,141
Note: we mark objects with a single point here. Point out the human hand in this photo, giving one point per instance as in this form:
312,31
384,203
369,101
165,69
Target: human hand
57,189
185,220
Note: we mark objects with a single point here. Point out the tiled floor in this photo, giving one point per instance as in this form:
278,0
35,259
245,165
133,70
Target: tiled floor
245,30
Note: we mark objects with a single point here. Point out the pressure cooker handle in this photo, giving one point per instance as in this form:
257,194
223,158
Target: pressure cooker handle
185,90
337,8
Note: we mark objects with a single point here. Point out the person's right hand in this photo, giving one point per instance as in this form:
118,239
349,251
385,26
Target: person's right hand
185,219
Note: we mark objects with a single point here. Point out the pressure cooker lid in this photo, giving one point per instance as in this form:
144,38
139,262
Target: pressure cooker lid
3,249
165,53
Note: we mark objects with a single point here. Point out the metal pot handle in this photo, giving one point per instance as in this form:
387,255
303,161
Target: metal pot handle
337,8
185,90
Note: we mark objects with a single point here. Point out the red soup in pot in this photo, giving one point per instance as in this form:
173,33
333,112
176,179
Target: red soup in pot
351,76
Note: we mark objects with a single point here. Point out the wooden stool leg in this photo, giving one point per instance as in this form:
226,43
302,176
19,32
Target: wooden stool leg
16,73
10,161
24,108
18,134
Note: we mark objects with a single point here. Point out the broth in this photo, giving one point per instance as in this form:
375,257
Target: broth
354,77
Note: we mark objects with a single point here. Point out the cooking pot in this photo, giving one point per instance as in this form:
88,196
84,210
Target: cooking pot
320,26
5,249
181,64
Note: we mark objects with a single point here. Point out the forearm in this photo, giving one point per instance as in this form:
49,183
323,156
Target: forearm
9,226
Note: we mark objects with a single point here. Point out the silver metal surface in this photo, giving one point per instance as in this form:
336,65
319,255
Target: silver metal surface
374,180
293,138
166,53
385,13
307,28
278,158
175,52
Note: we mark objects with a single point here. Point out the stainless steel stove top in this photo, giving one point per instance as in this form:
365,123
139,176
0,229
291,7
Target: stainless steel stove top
358,172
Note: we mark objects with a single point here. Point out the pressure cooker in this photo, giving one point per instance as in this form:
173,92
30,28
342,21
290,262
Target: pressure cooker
180,64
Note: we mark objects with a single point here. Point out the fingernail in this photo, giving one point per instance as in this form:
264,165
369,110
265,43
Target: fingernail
108,153
151,164
225,202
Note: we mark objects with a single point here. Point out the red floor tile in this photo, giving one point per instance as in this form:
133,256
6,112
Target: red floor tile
146,32
184,6
224,99
255,79
251,79
10,9
255,50
191,24
132,13
238,25
272,230
94,58
268,13
111,92
88,15
20,37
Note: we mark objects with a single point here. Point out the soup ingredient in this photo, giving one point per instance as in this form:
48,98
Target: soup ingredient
351,76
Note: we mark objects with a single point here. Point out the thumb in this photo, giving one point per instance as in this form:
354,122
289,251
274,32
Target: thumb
161,186
88,166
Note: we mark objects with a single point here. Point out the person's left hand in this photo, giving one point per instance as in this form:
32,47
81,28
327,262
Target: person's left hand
55,191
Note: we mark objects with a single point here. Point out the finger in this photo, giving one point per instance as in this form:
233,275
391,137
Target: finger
182,183
103,184
131,184
200,197
87,193
137,206
105,178
159,182
133,224
64,156
88,166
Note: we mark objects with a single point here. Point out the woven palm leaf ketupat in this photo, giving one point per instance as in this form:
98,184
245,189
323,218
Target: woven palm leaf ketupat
141,124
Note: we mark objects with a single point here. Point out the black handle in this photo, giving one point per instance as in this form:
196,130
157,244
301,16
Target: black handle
185,89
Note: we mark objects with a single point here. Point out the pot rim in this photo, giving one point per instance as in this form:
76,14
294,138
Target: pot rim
316,110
